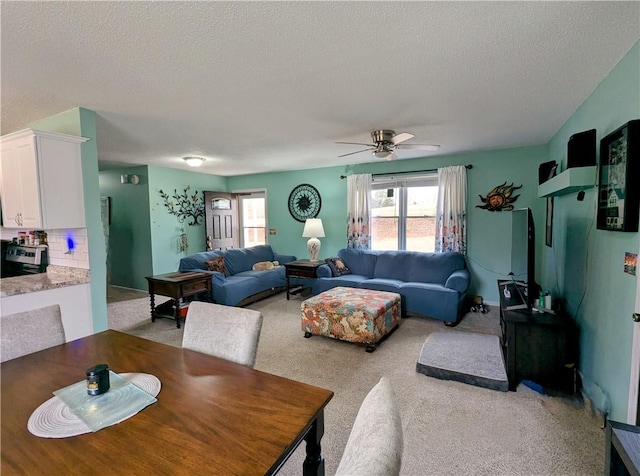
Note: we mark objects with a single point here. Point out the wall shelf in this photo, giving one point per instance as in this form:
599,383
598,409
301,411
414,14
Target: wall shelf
570,181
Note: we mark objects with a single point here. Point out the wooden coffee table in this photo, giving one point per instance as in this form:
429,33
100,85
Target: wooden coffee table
177,285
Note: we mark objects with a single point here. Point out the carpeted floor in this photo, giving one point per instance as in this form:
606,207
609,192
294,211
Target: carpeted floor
450,428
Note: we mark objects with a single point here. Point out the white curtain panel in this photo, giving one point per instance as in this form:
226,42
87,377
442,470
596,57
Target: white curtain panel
451,226
358,213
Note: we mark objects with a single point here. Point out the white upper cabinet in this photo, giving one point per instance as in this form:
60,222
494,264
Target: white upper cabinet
41,180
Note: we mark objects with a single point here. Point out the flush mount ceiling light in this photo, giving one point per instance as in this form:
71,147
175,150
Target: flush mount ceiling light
193,161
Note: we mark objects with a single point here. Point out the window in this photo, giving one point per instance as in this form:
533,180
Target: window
252,218
403,213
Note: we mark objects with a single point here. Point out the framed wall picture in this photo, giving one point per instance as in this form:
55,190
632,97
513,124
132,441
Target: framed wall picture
618,190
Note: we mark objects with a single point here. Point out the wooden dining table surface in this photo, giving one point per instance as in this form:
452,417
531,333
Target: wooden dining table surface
212,416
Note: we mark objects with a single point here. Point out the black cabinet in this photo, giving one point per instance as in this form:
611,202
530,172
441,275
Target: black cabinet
537,346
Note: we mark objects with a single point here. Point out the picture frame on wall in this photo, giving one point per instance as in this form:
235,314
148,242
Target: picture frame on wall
618,191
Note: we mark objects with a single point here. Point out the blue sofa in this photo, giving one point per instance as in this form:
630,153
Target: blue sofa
430,284
239,284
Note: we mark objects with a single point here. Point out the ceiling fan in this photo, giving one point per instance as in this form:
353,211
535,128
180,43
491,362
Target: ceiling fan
385,142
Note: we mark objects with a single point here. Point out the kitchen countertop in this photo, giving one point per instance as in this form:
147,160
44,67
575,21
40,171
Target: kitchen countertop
55,277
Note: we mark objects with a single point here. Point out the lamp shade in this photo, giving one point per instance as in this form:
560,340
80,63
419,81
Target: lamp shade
313,228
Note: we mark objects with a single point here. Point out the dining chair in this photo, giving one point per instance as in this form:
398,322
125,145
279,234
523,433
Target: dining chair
375,443
30,331
231,333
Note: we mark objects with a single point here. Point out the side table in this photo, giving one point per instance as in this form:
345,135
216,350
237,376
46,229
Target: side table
177,286
622,453
303,268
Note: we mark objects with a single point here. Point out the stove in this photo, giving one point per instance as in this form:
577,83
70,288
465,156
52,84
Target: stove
21,260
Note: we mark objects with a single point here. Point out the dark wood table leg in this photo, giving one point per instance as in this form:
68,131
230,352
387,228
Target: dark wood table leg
176,311
314,463
152,298
288,286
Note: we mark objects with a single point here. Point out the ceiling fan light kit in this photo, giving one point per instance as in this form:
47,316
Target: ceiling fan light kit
383,153
385,143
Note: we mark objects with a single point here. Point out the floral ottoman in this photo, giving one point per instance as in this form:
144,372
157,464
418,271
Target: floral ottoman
352,314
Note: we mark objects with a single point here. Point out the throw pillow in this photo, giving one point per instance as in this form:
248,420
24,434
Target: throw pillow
338,268
216,264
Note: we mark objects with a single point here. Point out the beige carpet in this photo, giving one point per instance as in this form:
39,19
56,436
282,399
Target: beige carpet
450,428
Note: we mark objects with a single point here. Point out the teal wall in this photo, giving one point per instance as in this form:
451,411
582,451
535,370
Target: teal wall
144,237
586,264
129,232
82,122
489,233
165,228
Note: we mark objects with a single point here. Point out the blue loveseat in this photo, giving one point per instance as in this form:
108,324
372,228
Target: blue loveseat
430,284
239,285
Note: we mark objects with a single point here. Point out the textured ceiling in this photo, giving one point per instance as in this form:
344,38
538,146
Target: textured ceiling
271,86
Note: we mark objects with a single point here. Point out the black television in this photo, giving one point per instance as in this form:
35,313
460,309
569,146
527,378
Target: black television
523,258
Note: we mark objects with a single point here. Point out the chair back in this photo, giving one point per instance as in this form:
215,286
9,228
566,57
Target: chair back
231,333
30,331
375,443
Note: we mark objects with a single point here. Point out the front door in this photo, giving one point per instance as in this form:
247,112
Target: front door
221,215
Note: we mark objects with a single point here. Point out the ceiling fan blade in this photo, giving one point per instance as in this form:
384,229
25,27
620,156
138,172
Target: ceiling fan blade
401,137
419,146
356,152
356,143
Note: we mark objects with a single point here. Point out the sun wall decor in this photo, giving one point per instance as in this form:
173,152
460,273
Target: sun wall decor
500,198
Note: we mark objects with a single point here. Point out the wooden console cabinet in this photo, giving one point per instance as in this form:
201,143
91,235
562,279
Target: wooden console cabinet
537,346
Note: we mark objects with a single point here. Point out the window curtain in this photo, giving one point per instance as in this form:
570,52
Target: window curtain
358,198
451,224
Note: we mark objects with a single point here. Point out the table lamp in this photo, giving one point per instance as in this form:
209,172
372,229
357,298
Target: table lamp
312,230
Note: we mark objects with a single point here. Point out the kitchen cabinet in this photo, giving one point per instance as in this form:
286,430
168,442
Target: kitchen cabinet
41,180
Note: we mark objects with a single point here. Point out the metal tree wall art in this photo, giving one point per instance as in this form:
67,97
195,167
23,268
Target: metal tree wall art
185,206
500,198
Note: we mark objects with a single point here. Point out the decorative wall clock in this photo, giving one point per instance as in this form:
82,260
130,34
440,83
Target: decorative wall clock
304,202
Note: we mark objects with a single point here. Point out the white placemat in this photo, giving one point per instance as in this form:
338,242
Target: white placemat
54,419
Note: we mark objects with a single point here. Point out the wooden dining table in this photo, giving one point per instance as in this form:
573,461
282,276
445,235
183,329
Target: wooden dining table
212,416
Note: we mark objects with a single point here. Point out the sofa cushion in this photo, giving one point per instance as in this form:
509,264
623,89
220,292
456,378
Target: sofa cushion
198,260
238,260
234,289
338,267
271,278
216,264
382,284
432,268
430,300
361,262
348,280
